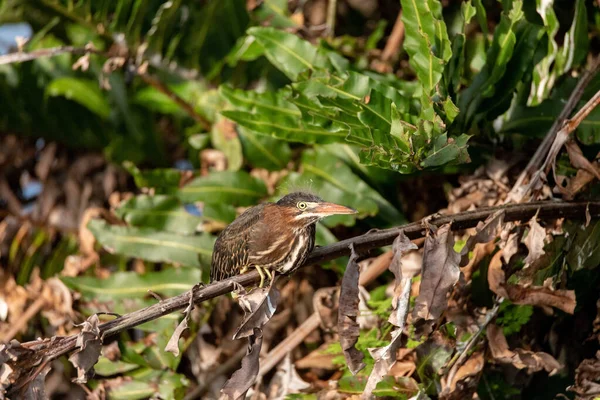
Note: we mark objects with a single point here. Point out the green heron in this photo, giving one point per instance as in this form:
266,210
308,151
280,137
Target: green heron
271,237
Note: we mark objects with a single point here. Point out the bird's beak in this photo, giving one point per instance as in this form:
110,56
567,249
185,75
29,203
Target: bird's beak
326,209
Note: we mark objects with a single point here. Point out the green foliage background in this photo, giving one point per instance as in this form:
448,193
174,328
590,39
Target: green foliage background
312,108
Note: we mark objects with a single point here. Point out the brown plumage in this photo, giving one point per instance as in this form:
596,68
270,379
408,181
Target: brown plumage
271,236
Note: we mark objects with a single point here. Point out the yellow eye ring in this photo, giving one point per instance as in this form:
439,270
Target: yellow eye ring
301,205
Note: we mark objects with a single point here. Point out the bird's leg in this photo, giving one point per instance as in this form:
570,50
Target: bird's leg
261,272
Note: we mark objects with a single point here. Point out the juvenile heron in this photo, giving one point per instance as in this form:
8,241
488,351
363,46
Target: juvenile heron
271,237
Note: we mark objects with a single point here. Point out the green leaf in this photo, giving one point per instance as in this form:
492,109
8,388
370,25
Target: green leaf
448,151
512,317
255,102
585,251
162,179
575,47
263,151
151,245
275,12
127,285
151,98
286,51
237,188
163,213
455,68
542,79
85,92
132,390
471,101
106,367
284,127
426,40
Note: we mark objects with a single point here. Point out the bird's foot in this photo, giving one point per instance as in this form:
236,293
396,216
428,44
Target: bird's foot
262,271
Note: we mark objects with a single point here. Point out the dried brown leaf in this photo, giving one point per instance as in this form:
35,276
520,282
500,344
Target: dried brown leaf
578,160
89,345
534,241
259,306
485,232
286,381
511,246
519,358
318,358
242,379
543,296
173,344
587,378
348,328
385,357
540,296
464,382
36,390
440,274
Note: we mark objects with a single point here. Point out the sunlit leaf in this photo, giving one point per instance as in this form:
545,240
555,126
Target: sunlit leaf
238,188
426,40
126,285
163,213
149,244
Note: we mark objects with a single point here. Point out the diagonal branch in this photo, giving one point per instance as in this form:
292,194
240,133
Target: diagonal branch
524,182
187,107
44,350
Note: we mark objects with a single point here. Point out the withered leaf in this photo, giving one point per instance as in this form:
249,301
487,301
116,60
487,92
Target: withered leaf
543,296
259,306
89,344
286,380
36,390
242,379
531,295
462,385
439,274
534,241
385,357
578,160
400,247
519,358
348,328
587,378
173,344
486,231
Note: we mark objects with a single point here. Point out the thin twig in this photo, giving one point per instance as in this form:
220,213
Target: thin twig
394,43
523,183
562,136
57,346
331,14
187,107
459,358
19,57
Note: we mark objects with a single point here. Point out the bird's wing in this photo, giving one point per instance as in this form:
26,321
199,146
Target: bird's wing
230,253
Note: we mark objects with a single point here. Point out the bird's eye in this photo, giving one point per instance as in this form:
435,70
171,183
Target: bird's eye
301,205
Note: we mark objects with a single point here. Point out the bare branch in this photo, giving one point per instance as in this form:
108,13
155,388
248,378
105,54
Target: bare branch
187,107
524,182
19,57
45,350
394,43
